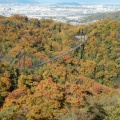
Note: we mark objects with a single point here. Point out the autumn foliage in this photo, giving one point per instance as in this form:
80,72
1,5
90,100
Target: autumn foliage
74,86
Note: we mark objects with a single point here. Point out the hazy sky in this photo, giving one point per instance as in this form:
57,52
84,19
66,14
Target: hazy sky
58,1
86,1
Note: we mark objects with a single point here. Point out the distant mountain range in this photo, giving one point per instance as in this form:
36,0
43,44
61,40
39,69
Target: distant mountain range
70,2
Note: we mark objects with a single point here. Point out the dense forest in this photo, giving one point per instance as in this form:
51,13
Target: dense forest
82,85
101,16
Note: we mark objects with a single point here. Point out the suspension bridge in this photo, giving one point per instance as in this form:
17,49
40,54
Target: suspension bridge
81,39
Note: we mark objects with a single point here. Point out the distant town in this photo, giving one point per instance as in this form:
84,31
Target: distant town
72,14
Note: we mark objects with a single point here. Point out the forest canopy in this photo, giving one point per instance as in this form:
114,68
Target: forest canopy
82,85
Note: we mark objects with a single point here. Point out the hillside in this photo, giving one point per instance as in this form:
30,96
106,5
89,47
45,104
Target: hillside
80,85
101,16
